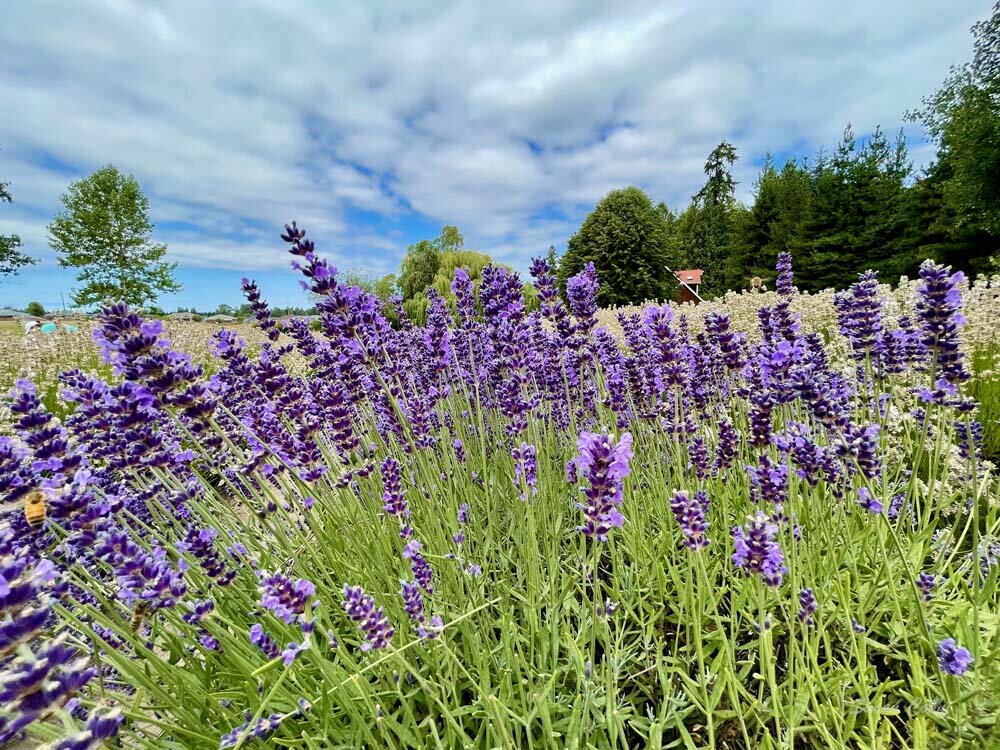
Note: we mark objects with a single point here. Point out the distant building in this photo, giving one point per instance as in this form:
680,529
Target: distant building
690,281
8,314
220,319
181,316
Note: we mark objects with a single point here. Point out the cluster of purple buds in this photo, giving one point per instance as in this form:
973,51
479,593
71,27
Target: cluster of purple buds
257,730
784,285
581,291
463,518
146,579
199,610
393,496
459,447
413,603
422,570
807,606
859,314
869,502
691,513
604,465
860,445
758,550
728,344
550,301
525,469
769,482
926,583
263,640
728,447
938,307
201,544
698,458
952,658
101,725
286,599
970,439
370,619
37,673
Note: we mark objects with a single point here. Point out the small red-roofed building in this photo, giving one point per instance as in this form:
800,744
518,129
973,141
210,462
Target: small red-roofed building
690,280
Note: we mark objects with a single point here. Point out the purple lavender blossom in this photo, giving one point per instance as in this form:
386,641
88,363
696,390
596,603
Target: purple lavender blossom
728,446
581,291
44,672
525,469
459,450
938,306
859,313
691,513
200,544
394,496
286,599
954,659
926,583
758,550
604,465
860,445
422,570
263,640
101,725
784,284
807,606
370,619
768,482
869,502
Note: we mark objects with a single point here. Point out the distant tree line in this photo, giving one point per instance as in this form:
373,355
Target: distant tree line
858,207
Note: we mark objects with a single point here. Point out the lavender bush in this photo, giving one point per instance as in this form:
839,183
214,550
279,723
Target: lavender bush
508,529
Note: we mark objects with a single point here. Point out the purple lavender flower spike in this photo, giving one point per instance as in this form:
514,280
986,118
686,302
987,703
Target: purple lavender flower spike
758,551
691,513
262,640
954,659
394,496
926,583
525,469
370,619
869,502
604,465
784,284
938,306
422,570
286,599
807,606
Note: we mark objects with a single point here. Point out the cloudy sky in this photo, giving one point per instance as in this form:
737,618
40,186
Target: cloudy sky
375,123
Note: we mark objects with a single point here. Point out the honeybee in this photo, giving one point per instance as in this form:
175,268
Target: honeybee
35,508
138,615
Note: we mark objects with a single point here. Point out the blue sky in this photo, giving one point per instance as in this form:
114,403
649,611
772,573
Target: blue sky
373,126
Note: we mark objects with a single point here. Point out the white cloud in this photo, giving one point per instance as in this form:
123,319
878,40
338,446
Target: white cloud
238,119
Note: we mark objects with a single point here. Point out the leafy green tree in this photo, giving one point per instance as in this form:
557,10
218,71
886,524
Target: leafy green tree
421,262
12,259
35,309
626,239
963,185
105,231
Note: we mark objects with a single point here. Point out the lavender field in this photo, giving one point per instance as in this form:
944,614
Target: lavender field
765,522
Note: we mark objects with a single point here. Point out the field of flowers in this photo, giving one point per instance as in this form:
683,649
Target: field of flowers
762,523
